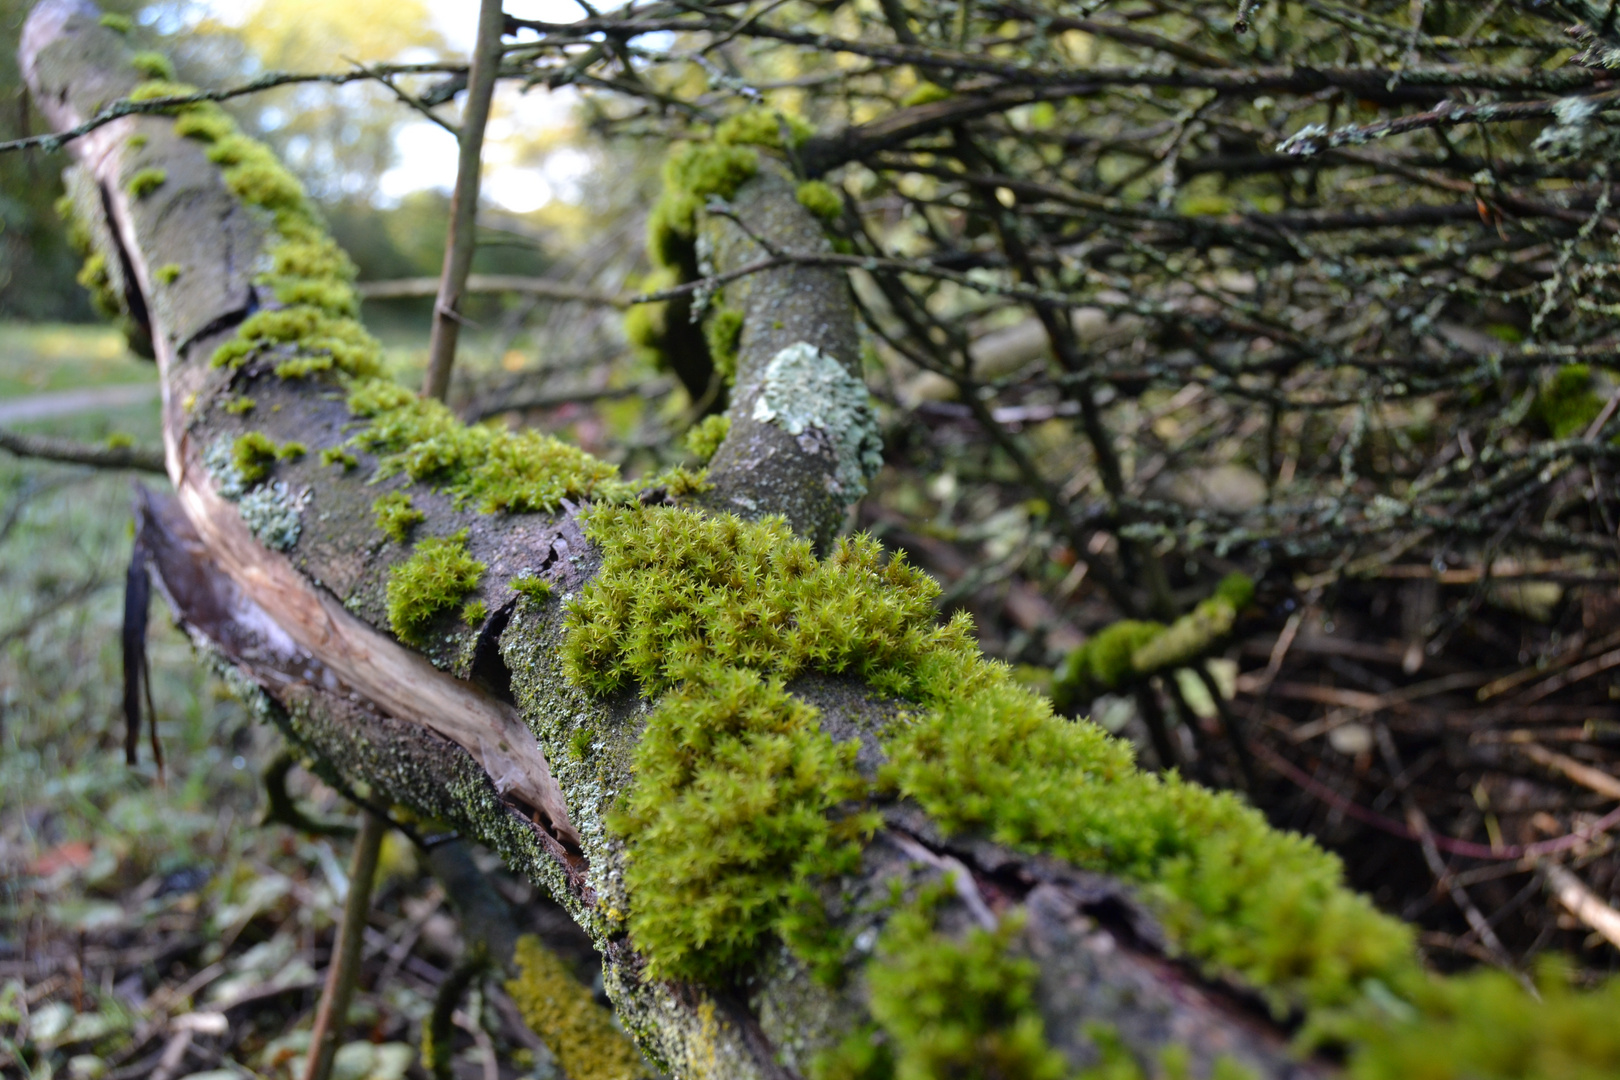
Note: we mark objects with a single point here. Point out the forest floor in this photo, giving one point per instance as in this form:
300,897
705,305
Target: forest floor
150,925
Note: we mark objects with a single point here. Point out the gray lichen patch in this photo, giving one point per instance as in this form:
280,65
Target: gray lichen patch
221,465
274,514
811,396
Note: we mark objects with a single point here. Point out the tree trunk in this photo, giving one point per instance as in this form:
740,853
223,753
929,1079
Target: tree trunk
480,727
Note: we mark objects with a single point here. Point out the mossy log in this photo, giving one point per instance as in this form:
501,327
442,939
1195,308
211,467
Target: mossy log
480,723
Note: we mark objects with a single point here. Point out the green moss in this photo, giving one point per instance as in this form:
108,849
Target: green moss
206,125
395,516
93,275
323,343
820,199
1129,650
167,274
122,24
958,1007
680,482
474,612
710,609
435,579
535,588
146,181
722,332
137,141
563,1011
253,453
705,437
732,816
926,93
117,440
236,406
154,89
761,126
692,173
487,467
336,455
153,65
1567,404
1483,1027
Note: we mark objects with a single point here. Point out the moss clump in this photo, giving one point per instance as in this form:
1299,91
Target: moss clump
714,610
692,173
1481,1026
253,453
958,1007
395,516
336,455
487,467
146,181
761,126
562,1011
474,613
95,278
236,406
121,24
535,588
820,199
703,439
926,93
1567,404
733,817
153,65
137,141
323,342
291,451
155,89
1129,650
167,274
436,578
722,332
207,126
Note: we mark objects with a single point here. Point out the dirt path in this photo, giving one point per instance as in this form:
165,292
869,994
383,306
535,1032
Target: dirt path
69,402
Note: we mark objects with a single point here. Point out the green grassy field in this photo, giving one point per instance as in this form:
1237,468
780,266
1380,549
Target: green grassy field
37,358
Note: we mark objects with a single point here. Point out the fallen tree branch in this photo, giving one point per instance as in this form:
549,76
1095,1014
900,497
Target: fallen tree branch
402,288
102,456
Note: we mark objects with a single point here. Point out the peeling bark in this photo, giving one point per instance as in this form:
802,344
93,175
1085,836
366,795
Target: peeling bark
477,728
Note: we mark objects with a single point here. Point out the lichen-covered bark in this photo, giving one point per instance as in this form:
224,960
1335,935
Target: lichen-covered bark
479,726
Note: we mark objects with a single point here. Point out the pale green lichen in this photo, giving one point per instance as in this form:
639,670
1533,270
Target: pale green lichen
395,516
562,1011
703,439
435,579
274,514
805,391
146,181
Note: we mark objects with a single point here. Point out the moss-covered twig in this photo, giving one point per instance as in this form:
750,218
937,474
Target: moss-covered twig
103,456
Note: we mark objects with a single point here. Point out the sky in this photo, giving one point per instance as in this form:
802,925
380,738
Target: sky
427,153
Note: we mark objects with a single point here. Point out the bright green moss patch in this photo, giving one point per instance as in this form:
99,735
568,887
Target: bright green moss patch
1567,404
692,173
95,278
926,93
958,1007
146,181
323,342
206,125
563,1012
137,141
395,516
1481,1026
820,199
487,467
290,451
732,816
683,597
336,455
153,65
535,588
435,579
119,23
154,89
723,331
167,274
236,406
761,126
253,453
703,439
474,613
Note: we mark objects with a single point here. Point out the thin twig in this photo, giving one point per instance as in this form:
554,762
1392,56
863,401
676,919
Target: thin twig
344,967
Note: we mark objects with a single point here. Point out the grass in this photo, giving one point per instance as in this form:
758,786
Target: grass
36,358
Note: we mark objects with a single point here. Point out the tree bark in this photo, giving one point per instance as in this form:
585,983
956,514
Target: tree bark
476,729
